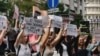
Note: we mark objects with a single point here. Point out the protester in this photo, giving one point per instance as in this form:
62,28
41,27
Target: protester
2,42
52,41
81,49
92,46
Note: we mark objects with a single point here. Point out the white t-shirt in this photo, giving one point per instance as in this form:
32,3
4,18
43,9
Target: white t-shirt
64,50
24,50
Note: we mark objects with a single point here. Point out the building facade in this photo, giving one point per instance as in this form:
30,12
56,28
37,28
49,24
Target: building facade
91,12
74,5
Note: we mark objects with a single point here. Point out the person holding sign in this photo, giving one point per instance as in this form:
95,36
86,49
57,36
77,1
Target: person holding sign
21,44
2,42
22,41
54,39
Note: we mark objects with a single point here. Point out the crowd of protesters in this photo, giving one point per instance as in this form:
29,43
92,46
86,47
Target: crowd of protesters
15,42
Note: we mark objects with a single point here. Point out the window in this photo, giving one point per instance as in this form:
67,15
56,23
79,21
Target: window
75,9
80,2
81,12
88,17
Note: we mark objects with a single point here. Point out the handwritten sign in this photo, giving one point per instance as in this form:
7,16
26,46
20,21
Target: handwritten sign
72,30
33,26
3,21
56,21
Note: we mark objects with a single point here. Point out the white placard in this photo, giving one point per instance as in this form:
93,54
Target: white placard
44,20
72,30
56,21
33,26
3,22
3,18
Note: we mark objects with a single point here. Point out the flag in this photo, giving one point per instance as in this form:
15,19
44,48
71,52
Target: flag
16,12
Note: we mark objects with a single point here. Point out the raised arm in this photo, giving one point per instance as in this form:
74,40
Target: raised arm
37,41
56,40
19,36
46,34
16,23
3,33
18,39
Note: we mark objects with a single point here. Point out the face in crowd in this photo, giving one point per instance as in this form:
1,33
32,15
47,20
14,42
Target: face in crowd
24,38
81,40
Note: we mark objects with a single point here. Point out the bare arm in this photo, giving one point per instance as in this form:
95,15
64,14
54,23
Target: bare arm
3,33
46,34
36,42
56,40
16,23
18,39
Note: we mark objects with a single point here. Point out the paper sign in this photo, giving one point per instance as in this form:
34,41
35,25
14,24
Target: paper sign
3,21
44,20
3,18
72,30
56,21
33,26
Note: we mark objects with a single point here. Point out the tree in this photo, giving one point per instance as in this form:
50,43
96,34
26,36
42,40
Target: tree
77,19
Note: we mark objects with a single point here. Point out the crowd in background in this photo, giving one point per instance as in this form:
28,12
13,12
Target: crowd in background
15,42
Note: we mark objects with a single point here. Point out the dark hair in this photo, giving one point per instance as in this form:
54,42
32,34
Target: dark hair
56,30
27,39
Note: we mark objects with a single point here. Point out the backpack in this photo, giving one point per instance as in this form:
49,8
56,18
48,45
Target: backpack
20,47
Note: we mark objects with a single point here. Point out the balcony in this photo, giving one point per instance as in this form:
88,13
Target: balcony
94,13
92,5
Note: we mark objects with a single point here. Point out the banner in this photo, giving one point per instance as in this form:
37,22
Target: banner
33,26
3,21
72,30
56,21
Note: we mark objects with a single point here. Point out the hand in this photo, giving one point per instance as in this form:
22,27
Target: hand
62,27
22,26
49,22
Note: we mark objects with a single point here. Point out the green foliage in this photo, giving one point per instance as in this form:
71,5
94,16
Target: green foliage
77,19
3,6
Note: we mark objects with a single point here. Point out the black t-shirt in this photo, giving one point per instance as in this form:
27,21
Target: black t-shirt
83,52
12,35
2,48
59,47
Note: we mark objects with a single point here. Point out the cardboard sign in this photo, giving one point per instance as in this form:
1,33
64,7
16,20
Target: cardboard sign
3,21
33,26
72,30
56,21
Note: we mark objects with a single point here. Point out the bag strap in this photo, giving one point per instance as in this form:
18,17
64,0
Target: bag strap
18,50
30,48
43,50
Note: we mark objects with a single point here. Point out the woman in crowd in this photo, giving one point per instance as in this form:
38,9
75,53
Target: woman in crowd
22,42
92,46
2,42
81,49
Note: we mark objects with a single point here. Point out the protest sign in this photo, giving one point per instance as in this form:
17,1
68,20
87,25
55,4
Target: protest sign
44,20
3,18
72,30
56,21
33,26
3,21
84,27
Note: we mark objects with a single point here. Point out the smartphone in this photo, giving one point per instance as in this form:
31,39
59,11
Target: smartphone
21,19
